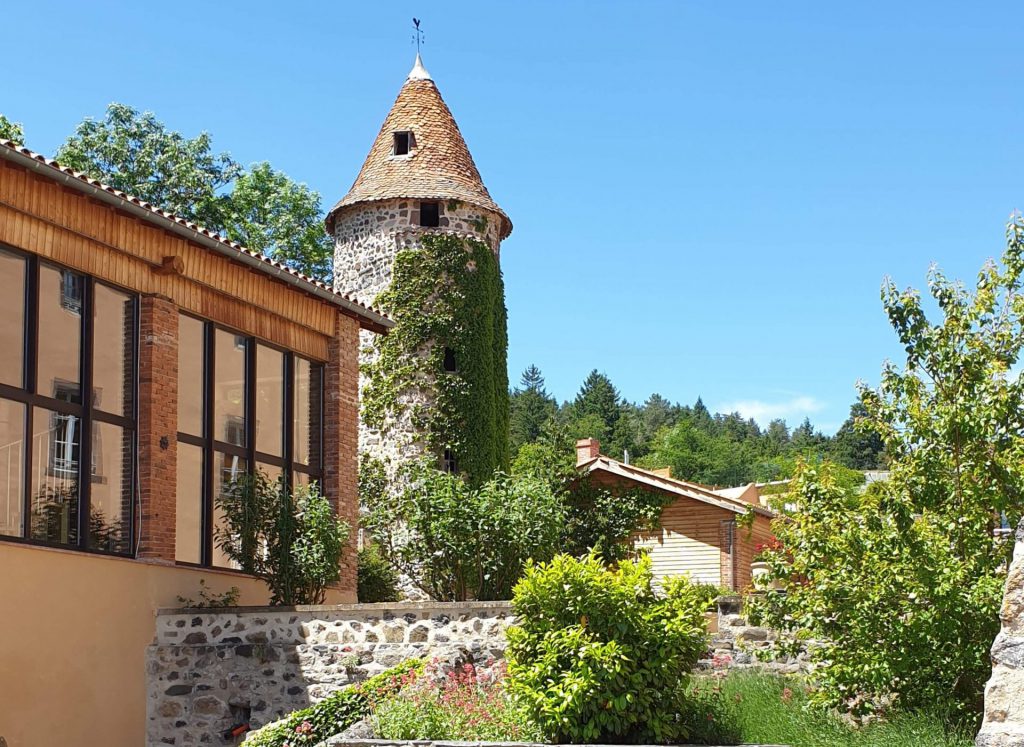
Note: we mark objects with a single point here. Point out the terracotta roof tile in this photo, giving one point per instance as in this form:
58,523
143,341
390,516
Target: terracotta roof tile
439,166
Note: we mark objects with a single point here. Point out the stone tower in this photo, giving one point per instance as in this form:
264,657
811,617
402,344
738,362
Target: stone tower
419,179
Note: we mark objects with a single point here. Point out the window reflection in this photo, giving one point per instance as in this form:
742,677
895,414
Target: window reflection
228,469
12,312
269,400
60,334
110,501
190,375
229,388
56,443
12,467
307,412
189,514
114,351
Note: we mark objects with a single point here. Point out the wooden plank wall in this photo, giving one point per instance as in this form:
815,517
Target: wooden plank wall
687,541
40,216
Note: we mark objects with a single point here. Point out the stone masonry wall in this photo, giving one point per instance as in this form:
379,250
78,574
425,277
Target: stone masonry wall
367,238
1004,694
736,644
208,670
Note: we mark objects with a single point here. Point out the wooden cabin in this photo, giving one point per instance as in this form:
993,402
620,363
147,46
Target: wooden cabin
697,534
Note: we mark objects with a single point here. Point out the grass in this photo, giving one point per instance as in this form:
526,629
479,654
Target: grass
764,709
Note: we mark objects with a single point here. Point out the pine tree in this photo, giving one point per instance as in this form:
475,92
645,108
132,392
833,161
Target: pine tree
855,448
599,398
530,408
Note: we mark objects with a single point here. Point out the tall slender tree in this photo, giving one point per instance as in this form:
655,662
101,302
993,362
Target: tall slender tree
530,408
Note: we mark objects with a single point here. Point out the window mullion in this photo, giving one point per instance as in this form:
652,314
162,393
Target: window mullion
250,403
209,372
85,429
31,350
288,451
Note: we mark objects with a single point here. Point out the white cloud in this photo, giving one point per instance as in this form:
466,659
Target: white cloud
792,410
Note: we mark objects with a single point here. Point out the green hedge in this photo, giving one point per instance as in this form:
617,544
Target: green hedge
336,712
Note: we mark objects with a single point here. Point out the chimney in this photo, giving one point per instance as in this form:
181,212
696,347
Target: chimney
587,449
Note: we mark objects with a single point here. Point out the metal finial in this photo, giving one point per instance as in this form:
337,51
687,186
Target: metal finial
418,34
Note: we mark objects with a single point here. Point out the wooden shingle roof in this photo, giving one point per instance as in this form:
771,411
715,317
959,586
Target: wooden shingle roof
438,166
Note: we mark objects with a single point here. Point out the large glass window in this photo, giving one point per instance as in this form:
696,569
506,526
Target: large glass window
229,388
269,401
12,312
189,516
59,356
12,468
191,350
263,410
67,463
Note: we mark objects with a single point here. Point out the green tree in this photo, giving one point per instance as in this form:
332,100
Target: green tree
269,213
12,131
289,538
135,153
459,542
695,454
776,438
905,582
260,208
805,439
656,413
599,397
857,446
530,407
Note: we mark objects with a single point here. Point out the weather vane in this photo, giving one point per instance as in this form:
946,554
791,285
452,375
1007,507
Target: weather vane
418,35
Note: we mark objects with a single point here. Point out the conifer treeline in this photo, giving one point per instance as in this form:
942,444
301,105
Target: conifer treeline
705,447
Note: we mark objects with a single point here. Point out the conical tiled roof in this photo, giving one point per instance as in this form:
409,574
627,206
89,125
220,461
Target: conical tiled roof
438,167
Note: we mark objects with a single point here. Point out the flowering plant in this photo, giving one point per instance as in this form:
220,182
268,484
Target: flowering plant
460,703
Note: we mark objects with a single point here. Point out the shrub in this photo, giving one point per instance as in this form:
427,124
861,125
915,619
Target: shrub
459,542
597,656
337,711
897,613
464,703
210,599
377,580
290,539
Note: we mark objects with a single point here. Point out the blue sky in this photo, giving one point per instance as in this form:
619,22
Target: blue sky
706,196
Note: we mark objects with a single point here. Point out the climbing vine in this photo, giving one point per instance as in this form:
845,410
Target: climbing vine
443,365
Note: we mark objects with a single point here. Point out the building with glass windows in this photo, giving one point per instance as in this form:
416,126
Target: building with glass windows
144,363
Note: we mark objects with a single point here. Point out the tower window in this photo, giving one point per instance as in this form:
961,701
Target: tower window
449,361
430,214
403,143
450,464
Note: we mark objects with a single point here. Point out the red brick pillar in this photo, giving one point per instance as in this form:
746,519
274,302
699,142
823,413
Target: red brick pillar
158,426
341,435
727,544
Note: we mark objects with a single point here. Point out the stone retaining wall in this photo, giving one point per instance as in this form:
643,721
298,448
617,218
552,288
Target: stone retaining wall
1004,695
210,669
735,644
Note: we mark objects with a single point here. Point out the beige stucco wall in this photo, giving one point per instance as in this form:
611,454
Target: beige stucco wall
73,635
